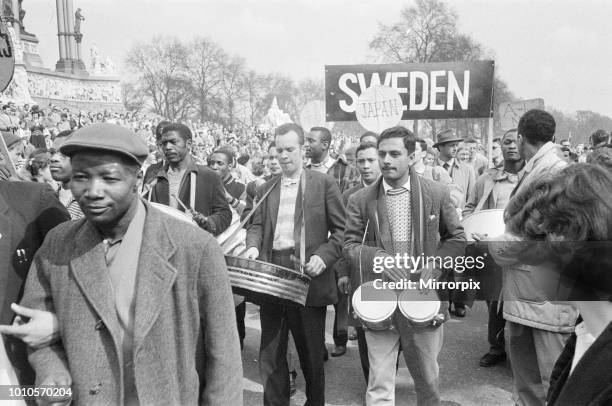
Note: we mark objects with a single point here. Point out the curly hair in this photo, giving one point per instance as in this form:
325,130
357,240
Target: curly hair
568,219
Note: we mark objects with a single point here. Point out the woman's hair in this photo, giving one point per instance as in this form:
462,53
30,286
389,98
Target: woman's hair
568,217
39,160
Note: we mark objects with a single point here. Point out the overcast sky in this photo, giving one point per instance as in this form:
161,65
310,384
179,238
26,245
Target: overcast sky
559,50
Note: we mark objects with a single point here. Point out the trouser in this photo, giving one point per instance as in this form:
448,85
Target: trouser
533,353
340,333
421,346
496,326
362,345
240,314
307,326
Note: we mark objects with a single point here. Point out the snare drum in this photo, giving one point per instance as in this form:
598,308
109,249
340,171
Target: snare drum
375,314
489,222
419,307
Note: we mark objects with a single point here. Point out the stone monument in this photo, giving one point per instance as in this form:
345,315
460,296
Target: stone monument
70,85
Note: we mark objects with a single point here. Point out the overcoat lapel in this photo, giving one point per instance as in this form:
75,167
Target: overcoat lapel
155,277
383,220
91,274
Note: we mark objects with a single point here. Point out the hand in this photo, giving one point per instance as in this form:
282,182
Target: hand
426,274
40,331
199,218
60,379
479,237
344,285
251,253
315,266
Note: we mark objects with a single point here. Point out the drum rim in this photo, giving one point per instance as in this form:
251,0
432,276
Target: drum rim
401,307
392,308
480,212
269,264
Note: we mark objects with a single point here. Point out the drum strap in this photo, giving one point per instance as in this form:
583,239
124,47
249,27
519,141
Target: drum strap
192,190
303,226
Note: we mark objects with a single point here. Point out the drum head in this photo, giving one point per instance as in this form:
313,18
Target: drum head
490,222
177,214
372,304
417,306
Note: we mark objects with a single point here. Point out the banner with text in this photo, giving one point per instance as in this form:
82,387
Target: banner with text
428,90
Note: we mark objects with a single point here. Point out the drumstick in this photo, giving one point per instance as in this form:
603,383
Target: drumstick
187,209
296,261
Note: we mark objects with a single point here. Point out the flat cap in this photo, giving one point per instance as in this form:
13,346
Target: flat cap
107,137
10,138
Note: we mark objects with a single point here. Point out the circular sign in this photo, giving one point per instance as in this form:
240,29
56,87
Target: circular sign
7,57
313,115
378,108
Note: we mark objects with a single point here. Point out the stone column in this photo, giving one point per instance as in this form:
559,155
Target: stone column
70,32
60,29
16,25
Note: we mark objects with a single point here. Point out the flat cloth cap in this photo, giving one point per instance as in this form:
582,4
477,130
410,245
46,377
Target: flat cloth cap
107,137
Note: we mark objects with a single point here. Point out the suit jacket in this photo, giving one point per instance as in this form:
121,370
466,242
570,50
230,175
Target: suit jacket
464,177
182,290
324,219
210,194
591,382
442,232
28,211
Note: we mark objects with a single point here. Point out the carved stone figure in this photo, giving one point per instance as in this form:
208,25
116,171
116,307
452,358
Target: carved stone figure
78,17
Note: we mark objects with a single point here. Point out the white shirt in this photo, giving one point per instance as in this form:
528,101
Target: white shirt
584,340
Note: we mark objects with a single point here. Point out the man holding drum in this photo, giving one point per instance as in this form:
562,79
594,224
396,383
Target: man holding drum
302,217
182,182
402,213
493,189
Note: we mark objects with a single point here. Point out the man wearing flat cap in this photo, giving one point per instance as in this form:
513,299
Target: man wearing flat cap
133,290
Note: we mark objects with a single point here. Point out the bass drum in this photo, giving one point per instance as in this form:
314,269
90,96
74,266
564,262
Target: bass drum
418,307
374,307
490,222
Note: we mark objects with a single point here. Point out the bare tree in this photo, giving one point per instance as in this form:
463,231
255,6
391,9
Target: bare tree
231,86
160,70
204,64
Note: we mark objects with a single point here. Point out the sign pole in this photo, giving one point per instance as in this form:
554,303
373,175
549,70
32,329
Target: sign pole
490,140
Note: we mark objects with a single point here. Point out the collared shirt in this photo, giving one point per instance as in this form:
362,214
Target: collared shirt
505,182
387,187
122,256
283,233
175,177
70,203
323,167
584,340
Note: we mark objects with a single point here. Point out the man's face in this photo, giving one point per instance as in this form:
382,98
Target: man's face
472,149
60,167
393,159
313,147
448,150
429,159
350,157
104,186
509,148
289,152
218,163
16,151
273,163
463,155
174,147
367,165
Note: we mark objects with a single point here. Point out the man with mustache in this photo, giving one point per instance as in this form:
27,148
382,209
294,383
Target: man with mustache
402,213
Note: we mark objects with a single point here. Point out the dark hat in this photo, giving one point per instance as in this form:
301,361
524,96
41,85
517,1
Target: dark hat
445,137
10,138
107,137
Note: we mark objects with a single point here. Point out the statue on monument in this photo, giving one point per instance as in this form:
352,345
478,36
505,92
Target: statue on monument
7,10
78,17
